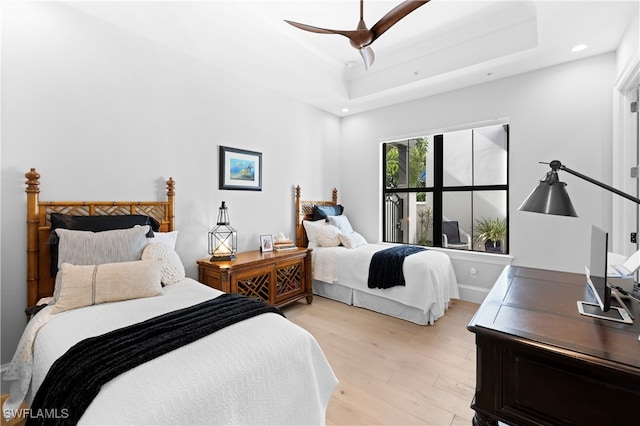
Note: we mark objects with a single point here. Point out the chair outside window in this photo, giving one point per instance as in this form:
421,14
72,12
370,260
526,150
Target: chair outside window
451,236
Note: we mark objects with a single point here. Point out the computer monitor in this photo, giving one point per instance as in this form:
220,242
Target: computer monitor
597,277
597,281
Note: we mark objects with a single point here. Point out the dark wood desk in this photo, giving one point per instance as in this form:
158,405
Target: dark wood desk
539,362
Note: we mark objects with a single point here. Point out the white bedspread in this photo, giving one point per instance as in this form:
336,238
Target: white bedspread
265,370
429,276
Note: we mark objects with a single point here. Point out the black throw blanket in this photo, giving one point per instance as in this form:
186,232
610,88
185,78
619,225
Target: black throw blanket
385,269
76,377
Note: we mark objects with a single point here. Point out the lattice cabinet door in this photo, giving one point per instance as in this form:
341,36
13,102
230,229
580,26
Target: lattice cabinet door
289,279
254,283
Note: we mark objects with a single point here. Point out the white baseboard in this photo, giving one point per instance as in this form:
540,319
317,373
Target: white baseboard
472,293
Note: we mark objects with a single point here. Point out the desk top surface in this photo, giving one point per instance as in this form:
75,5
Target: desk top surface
538,307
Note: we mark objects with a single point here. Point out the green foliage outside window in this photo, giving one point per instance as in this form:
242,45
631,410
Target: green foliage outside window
392,165
418,149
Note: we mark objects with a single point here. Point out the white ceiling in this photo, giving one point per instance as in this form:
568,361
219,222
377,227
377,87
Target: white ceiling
441,46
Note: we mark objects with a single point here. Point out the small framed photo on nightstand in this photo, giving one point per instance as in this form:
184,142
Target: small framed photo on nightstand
266,243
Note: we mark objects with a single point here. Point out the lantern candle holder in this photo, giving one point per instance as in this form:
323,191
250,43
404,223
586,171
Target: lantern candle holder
223,238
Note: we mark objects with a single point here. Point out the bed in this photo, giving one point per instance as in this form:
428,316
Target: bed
248,369
341,271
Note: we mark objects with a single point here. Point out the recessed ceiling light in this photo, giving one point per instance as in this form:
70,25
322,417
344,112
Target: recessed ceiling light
579,47
345,109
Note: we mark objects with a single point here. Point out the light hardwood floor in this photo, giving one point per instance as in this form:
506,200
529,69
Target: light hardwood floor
391,371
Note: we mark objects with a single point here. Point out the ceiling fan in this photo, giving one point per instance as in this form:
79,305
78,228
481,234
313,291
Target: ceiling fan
362,37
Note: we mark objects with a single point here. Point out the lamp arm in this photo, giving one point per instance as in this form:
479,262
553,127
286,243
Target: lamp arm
593,181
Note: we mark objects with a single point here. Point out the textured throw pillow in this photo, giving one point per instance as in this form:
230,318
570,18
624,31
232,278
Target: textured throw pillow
168,238
351,240
312,228
172,269
321,212
95,248
328,236
86,285
341,222
95,224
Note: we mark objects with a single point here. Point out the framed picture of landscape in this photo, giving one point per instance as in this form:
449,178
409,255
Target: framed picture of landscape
240,169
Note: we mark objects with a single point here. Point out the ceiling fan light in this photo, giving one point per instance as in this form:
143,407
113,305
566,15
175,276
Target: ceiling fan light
367,56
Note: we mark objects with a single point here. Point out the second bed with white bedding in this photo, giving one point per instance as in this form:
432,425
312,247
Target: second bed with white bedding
342,274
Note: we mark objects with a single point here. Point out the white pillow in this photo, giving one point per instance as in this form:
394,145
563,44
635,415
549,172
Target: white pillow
85,285
172,268
342,223
96,248
312,227
351,240
168,238
328,236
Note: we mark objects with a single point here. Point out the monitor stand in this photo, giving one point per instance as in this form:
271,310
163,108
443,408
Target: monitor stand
615,313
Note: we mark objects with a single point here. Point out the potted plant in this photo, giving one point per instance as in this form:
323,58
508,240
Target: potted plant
491,232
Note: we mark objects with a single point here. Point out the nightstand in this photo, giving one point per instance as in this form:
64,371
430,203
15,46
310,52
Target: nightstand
277,278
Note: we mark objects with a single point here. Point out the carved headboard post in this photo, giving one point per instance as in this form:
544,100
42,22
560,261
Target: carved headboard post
299,232
32,190
171,193
304,211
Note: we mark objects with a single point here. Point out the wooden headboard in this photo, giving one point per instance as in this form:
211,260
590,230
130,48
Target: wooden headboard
39,280
304,211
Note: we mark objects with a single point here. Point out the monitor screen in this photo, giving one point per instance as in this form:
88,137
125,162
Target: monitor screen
597,276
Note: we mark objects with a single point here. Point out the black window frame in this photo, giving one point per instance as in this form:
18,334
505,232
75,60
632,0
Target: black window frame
439,189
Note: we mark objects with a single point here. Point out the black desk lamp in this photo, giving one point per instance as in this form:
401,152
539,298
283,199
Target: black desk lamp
550,197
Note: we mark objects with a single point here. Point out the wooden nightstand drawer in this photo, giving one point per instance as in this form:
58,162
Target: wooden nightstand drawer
277,278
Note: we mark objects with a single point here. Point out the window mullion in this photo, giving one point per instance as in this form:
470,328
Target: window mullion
438,180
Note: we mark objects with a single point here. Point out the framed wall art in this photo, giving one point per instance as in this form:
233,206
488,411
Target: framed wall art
240,169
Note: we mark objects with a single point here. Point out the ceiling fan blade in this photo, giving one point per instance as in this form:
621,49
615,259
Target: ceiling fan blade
313,29
367,56
394,15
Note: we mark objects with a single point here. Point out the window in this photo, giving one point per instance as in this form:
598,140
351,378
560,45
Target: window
448,190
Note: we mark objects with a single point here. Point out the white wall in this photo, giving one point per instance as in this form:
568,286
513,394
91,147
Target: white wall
562,112
105,114
625,140
628,52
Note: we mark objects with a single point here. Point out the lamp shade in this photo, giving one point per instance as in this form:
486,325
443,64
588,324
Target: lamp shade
550,197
